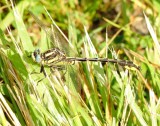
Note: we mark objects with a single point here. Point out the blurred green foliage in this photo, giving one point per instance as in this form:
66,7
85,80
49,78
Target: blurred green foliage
88,93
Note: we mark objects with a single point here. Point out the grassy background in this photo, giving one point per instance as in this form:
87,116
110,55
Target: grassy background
86,93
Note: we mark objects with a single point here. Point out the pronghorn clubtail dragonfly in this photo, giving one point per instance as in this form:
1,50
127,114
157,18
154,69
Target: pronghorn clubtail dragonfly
54,56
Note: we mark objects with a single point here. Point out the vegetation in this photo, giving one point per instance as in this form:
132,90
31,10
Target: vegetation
89,93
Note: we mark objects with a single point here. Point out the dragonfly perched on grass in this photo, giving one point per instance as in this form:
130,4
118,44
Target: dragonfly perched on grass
55,56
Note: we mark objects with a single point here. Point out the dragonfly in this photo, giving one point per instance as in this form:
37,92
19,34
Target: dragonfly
55,56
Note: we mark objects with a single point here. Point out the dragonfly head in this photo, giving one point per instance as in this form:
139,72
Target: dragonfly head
36,56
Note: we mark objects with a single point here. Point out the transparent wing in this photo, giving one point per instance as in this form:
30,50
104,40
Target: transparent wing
61,41
42,25
56,36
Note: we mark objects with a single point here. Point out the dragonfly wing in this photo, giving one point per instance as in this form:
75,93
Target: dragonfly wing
56,36
42,25
61,41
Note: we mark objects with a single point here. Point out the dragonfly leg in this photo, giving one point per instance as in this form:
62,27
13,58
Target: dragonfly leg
59,68
40,80
34,72
42,70
73,62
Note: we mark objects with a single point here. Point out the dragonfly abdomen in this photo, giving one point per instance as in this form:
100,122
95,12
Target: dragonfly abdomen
103,60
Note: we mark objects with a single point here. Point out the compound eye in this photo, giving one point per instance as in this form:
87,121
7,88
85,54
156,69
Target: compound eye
36,56
36,52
